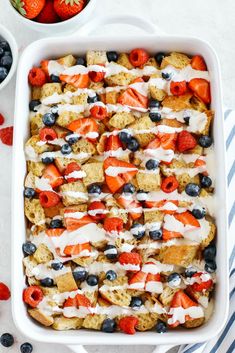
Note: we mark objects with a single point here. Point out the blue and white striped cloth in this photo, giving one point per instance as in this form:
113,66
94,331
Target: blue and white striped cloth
225,342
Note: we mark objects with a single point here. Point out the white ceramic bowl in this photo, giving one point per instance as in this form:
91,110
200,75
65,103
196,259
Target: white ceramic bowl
6,35
56,28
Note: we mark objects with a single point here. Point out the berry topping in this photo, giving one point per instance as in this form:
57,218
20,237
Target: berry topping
125,137
178,88
93,99
161,327
155,234
210,266
154,103
152,164
4,292
201,88
111,275
49,119
71,138
186,120
169,184
138,57
37,77
159,57
33,104
108,325
55,79
198,63
201,285
112,56
185,141
29,248
92,280
113,224
189,272
192,189
166,76
205,141
29,193
98,112
136,303
81,61
57,265
133,145
66,149
32,295
6,135
155,117
128,188
174,280
127,324
205,181
6,340
96,76
47,282
47,160
94,189
56,223
137,230
48,199
210,252
47,134
111,252
80,274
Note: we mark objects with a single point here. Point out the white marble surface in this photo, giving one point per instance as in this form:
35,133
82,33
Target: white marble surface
212,20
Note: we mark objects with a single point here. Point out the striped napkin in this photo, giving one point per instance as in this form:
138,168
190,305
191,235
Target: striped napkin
225,342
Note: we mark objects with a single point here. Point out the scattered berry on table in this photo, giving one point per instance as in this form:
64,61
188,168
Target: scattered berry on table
6,135
6,340
66,9
5,293
26,348
2,119
48,14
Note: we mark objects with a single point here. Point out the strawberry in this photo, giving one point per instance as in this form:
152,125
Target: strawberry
96,76
113,143
181,299
47,134
6,135
200,163
70,169
160,204
169,184
4,292
185,141
98,112
32,295
95,206
127,324
116,182
28,8
48,14
168,235
76,223
201,88
76,249
138,57
178,88
132,258
168,140
187,219
44,67
54,232
154,144
48,199
84,126
133,99
200,287
2,119
113,224
70,302
137,281
130,205
78,81
82,300
54,176
153,277
66,9
137,79
37,77
198,63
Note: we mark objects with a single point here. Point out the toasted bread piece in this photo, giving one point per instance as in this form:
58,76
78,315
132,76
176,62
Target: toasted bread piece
153,216
68,60
146,321
36,93
96,57
178,60
29,263
84,146
38,315
120,79
34,211
121,120
66,117
38,148
111,97
48,89
36,168
143,123
205,242
167,295
118,296
181,255
178,103
73,193
94,173
194,323
62,323
123,60
66,282
148,182
36,124
80,100
30,180
42,255
93,322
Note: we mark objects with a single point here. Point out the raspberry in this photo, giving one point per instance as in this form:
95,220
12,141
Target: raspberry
37,77
2,119
6,135
127,324
185,141
48,199
4,292
33,295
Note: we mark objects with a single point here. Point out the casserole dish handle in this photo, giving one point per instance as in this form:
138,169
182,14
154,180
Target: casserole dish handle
90,28
158,349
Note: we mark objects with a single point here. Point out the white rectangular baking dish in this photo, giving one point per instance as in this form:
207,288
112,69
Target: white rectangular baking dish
53,47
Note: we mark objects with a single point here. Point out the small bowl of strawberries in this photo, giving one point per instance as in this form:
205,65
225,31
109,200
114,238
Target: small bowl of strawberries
52,16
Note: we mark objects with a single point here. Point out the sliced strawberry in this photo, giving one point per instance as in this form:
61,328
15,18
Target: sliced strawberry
198,63
54,232
4,292
54,176
84,126
113,224
131,205
154,144
181,299
48,199
200,163
96,76
201,88
153,277
116,182
137,279
70,302
132,258
78,81
113,143
76,249
127,324
32,296
96,206
178,88
133,99
137,79
76,223
44,66
138,57
98,112
169,184
168,235
70,169
168,140
160,204
47,134
185,141
187,219
82,300
200,287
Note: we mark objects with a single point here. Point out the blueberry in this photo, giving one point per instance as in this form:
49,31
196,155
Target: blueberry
129,188
7,340
210,253
137,230
71,138
205,141
186,120
210,266
161,327
189,272
155,234
6,61
81,61
49,119
26,348
154,103
29,248
174,279
136,303
205,181
29,193
4,45
55,78
66,149
94,189
47,282
47,160
155,117
199,213
57,265
159,57
112,55
133,145
92,280
111,252
80,274
166,75
56,223
125,137
192,189
108,325
7,53
152,164
2,52
3,73
111,275
33,104
141,195
93,99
